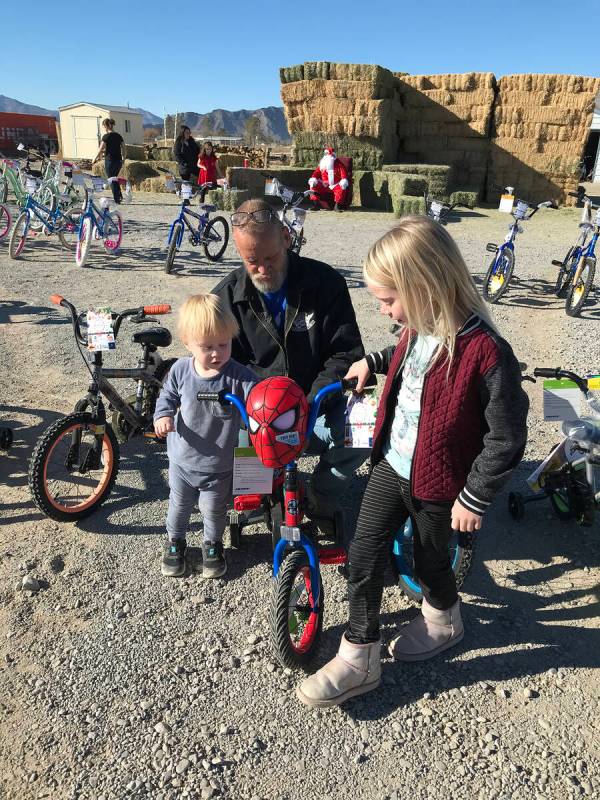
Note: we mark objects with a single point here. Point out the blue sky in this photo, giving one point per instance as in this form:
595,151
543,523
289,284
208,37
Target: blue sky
173,55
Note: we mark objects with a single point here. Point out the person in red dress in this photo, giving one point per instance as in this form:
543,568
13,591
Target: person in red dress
209,168
329,182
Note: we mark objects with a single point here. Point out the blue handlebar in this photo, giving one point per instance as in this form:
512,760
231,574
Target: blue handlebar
316,404
231,398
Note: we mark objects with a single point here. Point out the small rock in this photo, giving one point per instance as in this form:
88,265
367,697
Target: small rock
182,766
530,694
503,694
253,639
146,705
162,728
30,584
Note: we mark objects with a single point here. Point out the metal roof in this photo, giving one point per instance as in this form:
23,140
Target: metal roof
102,107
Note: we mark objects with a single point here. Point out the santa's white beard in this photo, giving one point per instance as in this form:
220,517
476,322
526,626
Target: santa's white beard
327,163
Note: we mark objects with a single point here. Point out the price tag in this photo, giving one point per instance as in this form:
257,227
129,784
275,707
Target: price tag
31,185
100,334
287,195
522,209
559,456
97,183
506,203
361,412
170,183
436,208
250,476
77,177
593,382
186,191
562,399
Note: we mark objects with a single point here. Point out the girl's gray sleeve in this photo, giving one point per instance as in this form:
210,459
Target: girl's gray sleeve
169,398
379,362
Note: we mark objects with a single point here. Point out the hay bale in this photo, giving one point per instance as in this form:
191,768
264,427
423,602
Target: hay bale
230,160
370,190
405,204
465,199
227,199
135,152
314,70
138,171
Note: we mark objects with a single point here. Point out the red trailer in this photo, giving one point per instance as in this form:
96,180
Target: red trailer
33,130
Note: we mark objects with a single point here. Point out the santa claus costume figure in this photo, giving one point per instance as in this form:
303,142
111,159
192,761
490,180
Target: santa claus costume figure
329,182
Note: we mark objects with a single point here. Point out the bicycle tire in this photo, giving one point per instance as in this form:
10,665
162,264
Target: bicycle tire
461,558
6,438
516,506
70,242
5,221
494,296
235,530
578,293
563,279
282,623
276,521
43,450
112,244
18,236
3,189
83,241
224,237
172,248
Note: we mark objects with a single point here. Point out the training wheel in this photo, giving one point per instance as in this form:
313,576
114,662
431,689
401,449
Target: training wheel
516,506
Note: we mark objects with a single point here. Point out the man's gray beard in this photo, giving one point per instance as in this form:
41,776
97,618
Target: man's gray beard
274,285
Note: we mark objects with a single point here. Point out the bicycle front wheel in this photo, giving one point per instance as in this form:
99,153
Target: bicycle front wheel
113,231
3,189
215,237
580,288
73,467
461,550
5,220
172,248
498,275
297,239
83,241
295,627
563,279
18,237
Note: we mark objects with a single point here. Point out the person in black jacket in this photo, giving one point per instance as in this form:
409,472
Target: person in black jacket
296,319
186,154
112,147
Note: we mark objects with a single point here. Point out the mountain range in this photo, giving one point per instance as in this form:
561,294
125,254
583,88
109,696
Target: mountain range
272,119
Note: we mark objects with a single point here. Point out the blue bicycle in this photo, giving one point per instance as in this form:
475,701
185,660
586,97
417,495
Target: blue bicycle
35,215
100,222
576,271
500,271
212,234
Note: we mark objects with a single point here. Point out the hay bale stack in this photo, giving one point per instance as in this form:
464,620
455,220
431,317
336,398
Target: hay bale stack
227,199
138,171
541,123
253,180
135,152
352,107
446,119
439,177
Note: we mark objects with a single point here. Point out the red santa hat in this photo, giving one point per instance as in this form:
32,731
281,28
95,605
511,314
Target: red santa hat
330,151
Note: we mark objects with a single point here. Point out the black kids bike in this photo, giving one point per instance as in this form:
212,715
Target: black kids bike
75,462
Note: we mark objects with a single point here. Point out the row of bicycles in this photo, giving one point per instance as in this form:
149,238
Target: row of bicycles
75,464
576,270
55,200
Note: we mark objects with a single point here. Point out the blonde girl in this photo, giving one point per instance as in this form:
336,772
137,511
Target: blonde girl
451,427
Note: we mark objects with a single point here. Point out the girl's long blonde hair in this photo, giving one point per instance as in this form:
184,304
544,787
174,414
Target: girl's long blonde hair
420,260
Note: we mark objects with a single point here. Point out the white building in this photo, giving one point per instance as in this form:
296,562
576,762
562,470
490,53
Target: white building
81,127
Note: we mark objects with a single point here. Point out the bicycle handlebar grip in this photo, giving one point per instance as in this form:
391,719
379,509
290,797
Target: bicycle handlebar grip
56,299
351,383
546,372
574,194
214,397
162,308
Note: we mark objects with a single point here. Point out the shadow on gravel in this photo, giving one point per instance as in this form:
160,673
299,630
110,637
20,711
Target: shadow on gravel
353,276
14,463
20,308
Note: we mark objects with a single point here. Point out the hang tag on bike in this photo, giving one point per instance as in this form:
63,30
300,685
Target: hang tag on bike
361,412
31,185
77,177
521,210
560,455
97,183
506,203
436,208
100,334
562,400
250,476
186,191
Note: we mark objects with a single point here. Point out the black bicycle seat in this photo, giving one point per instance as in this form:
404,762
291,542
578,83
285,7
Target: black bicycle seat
154,337
207,207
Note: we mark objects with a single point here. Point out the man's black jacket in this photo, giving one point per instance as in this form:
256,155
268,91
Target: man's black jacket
321,337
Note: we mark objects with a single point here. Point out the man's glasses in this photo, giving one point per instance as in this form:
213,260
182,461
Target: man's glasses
261,216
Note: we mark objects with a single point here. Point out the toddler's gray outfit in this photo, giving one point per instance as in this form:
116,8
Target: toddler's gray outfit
201,446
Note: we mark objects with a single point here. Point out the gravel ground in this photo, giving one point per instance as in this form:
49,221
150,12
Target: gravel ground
116,683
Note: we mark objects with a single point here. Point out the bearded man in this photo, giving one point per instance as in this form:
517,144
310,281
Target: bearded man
296,319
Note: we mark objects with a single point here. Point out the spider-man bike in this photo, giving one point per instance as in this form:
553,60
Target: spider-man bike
297,598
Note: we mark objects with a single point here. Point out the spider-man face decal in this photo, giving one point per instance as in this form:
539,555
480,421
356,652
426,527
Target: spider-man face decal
278,416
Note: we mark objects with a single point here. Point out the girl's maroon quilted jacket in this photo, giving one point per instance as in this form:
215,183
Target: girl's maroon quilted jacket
473,421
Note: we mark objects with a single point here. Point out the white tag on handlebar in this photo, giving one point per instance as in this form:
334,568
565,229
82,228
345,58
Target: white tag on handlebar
100,333
436,207
250,476
562,400
521,210
186,191
506,203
